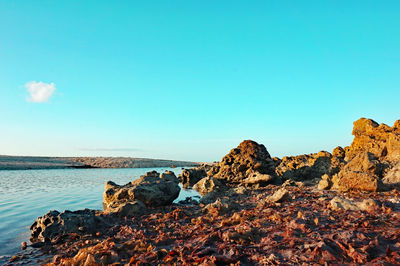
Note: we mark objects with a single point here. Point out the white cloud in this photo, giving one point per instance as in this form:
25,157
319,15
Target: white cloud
39,92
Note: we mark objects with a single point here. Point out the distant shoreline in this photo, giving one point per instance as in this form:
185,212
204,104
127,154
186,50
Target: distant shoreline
43,162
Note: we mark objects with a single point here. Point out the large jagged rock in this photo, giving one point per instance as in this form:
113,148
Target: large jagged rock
381,140
362,173
152,189
243,161
374,151
191,176
54,224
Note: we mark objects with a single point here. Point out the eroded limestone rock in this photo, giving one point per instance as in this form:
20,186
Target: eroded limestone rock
208,184
54,223
152,189
338,203
191,176
279,195
239,163
309,166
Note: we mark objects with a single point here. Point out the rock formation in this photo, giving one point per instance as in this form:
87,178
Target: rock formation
241,162
152,189
208,184
308,166
392,177
380,140
54,224
374,151
191,176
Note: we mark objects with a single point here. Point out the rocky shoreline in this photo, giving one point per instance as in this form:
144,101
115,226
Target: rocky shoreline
337,208
31,162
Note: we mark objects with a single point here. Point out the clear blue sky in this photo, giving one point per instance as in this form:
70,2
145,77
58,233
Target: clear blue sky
191,79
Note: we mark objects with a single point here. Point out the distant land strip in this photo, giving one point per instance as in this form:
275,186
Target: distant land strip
33,162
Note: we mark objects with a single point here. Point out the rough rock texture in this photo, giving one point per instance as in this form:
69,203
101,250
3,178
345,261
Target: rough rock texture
208,184
53,224
152,189
325,182
279,195
392,177
374,151
256,180
220,206
189,177
305,230
247,158
338,203
361,173
309,166
129,209
381,140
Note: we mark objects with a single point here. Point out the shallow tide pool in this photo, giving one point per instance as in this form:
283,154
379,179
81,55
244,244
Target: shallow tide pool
27,194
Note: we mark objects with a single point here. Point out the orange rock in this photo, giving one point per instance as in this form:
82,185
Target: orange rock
247,158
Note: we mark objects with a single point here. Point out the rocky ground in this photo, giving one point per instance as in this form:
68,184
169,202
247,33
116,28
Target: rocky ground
324,208
30,162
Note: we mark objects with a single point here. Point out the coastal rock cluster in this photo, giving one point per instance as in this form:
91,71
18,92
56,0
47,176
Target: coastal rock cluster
371,163
255,209
373,158
133,199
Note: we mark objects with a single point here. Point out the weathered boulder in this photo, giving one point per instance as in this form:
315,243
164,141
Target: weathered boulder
279,195
191,176
54,224
338,203
259,180
247,158
392,177
380,140
152,189
129,209
362,173
374,151
325,182
209,184
310,166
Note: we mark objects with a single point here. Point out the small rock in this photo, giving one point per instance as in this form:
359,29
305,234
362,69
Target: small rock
324,184
338,203
24,245
207,185
258,179
279,195
220,206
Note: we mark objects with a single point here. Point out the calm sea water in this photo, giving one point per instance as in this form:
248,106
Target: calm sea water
27,194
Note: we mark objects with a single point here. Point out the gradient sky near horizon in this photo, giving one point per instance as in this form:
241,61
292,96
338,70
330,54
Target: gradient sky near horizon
189,80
